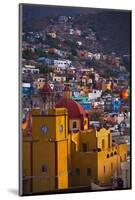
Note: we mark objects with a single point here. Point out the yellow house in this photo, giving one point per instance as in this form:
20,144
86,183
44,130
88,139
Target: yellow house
63,152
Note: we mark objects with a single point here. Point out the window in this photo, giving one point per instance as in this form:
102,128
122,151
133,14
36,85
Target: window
120,159
125,157
85,122
88,171
111,166
84,147
109,140
104,169
74,124
77,171
44,168
112,154
61,128
44,129
103,144
70,172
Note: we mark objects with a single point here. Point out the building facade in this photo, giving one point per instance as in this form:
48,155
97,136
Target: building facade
63,152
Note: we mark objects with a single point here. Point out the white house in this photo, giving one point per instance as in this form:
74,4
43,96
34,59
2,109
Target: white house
59,78
95,94
62,63
30,69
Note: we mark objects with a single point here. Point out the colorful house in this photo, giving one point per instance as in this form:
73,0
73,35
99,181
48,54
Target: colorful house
84,101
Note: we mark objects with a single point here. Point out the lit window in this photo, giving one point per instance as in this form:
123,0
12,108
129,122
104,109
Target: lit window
77,171
44,129
88,171
85,122
44,168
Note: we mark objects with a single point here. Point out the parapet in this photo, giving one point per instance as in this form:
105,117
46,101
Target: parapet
57,111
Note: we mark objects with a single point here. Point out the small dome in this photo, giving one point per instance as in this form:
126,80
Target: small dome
66,89
75,110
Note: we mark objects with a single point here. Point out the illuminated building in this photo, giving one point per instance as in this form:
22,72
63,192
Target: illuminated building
64,152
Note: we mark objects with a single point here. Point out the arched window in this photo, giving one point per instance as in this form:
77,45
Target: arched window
112,154
108,156
85,122
74,125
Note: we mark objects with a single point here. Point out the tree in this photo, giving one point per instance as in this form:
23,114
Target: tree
44,69
73,51
28,54
95,116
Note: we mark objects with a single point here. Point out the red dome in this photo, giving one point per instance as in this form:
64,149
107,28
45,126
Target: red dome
75,110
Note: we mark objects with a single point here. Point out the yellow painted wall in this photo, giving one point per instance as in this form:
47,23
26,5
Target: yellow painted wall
103,161
95,160
83,161
88,138
26,161
122,151
62,152
43,154
62,164
101,135
86,123
49,149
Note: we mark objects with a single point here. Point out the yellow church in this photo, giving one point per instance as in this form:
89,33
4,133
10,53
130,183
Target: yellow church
63,152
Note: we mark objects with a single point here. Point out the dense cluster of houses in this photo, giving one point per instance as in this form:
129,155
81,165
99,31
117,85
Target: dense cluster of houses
65,56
